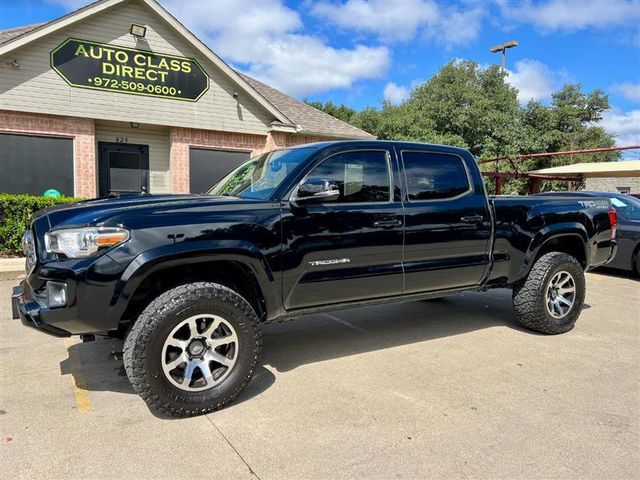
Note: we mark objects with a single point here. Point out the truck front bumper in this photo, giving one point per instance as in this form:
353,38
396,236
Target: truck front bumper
31,313
89,284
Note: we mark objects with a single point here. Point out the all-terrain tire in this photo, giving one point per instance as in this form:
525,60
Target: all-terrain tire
529,296
143,348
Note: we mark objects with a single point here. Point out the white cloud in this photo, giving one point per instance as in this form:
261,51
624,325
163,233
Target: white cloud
625,126
534,80
300,65
390,21
402,21
552,15
268,37
629,90
458,27
395,93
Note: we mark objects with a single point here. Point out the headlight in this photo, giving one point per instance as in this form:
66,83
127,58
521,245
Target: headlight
29,248
83,242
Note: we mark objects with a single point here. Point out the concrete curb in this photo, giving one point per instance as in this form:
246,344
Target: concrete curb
11,268
11,276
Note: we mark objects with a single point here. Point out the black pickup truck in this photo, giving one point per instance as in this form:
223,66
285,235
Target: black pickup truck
187,280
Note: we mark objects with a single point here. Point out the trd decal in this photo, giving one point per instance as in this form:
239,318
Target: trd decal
594,203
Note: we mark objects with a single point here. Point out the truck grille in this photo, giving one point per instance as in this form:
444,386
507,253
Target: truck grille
29,248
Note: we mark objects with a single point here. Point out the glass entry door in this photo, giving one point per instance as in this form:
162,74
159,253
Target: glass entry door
123,168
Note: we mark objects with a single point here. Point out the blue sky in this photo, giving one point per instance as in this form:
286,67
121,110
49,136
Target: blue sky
359,52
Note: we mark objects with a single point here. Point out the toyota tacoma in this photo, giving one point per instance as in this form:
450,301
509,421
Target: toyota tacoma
188,280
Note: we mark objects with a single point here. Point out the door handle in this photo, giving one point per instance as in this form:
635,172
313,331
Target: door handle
387,223
472,219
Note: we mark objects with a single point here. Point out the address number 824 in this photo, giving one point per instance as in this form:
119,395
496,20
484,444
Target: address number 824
133,86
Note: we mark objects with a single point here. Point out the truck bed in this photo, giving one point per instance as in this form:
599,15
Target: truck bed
522,223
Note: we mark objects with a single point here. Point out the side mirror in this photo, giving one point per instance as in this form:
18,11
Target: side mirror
316,190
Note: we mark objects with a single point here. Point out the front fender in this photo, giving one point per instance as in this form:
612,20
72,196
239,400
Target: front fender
186,253
550,232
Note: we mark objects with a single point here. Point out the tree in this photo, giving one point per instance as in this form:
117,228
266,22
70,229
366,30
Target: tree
473,107
569,123
471,103
462,105
401,123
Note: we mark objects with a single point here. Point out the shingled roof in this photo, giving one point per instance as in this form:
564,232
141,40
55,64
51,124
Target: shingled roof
11,33
307,119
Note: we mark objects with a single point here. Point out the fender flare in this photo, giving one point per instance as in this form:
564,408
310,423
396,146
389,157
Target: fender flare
551,232
155,260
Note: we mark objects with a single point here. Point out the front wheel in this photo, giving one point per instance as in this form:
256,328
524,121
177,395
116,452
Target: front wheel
551,298
193,349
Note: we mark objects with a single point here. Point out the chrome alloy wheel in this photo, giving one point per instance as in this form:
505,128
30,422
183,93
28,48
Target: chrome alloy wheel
200,352
561,294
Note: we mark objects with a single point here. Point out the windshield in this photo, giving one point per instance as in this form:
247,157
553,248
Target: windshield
627,208
260,176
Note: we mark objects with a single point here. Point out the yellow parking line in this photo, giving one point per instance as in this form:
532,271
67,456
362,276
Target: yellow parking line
80,392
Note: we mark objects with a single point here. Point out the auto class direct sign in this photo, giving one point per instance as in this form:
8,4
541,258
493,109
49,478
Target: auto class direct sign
100,66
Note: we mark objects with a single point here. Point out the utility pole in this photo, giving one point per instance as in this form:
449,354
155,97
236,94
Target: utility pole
502,48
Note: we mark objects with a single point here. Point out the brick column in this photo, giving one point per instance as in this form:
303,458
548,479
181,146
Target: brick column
82,130
179,161
276,140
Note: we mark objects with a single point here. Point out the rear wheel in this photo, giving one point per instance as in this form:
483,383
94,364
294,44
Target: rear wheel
551,298
193,349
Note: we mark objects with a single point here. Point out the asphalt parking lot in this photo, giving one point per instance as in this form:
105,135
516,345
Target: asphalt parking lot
447,389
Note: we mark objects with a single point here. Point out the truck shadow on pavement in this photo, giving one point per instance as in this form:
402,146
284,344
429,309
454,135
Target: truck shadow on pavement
97,366
614,272
344,333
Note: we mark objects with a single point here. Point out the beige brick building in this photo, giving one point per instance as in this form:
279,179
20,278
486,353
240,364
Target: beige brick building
614,185
615,177
120,97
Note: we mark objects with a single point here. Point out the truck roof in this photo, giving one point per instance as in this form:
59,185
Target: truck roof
380,143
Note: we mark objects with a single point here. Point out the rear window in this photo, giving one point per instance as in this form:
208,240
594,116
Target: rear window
432,176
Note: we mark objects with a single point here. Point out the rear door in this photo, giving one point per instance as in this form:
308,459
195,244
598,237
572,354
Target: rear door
351,248
448,223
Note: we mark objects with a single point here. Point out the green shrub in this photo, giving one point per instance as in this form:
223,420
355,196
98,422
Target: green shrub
16,214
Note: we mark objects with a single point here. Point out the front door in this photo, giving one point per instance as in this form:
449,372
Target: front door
123,168
351,248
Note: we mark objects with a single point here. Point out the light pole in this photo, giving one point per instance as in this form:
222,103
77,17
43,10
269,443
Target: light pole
503,49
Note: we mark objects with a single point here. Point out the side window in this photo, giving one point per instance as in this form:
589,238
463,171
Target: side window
434,175
360,176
